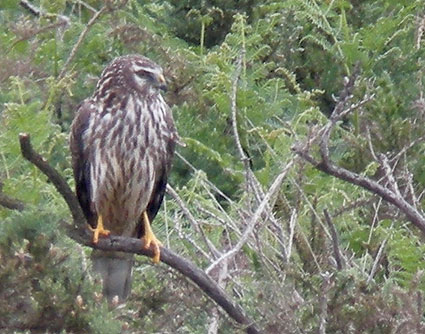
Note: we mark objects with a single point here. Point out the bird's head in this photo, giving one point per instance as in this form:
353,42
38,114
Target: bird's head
131,73
144,74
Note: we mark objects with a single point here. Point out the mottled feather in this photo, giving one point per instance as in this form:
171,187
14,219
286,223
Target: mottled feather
122,145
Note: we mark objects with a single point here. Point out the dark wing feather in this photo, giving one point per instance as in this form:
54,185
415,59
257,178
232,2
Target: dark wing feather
80,161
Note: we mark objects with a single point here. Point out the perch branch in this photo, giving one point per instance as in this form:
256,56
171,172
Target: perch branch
80,233
57,180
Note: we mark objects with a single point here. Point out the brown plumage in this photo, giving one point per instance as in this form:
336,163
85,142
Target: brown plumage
122,144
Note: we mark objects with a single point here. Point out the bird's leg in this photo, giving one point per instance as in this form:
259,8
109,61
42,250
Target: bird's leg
149,238
99,230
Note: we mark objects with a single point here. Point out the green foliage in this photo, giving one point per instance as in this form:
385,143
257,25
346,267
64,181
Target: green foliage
295,55
39,290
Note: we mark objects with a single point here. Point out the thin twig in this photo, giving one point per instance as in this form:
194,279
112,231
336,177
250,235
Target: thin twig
192,220
31,8
327,166
55,26
340,263
419,32
353,205
267,201
292,223
244,158
80,40
221,281
80,233
389,174
86,5
376,262
250,177
323,301
213,186
38,12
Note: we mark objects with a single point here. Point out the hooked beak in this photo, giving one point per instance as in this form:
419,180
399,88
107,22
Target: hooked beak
161,83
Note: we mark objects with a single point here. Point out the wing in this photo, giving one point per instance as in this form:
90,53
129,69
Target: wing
162,173
80,161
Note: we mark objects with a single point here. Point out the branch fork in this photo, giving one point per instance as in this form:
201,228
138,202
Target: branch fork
389,193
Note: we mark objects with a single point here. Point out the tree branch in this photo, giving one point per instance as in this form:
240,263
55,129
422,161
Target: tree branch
57,180
340,263
80,40
81,234
268,199
327,166
11,203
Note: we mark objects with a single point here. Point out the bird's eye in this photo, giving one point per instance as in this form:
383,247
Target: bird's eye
145,74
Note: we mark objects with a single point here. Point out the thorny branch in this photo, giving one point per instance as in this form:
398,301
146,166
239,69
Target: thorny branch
80,233
327,166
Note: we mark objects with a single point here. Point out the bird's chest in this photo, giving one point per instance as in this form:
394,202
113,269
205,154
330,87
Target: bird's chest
127,148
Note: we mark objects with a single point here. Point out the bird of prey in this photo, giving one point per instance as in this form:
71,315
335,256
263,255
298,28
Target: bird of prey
122,143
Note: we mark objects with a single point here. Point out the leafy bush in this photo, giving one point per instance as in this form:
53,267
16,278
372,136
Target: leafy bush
289,61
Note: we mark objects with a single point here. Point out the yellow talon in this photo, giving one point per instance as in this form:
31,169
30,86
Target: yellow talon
99,231
149,239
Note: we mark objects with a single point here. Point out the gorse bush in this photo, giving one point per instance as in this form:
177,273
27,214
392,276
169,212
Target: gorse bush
288,62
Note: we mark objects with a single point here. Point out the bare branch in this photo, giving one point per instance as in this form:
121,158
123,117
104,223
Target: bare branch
31,8
80,233
419,32
292,223
55,26
221,281
335,241
80,40
11,203
328,167
250,177
353,205
260,210
411,213
389,174
241,152
323,301
192,220
58,181
376,262
38,12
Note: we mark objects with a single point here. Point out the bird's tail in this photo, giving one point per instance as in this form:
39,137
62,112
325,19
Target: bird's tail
115,269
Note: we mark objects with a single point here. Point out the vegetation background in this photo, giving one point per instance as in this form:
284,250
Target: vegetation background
253,86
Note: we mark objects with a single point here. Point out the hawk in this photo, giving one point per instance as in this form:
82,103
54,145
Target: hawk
122,144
